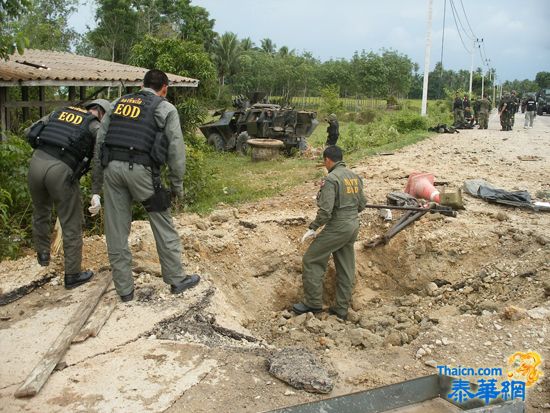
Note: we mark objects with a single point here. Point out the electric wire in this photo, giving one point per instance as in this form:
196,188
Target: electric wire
467,21
457,29
457,15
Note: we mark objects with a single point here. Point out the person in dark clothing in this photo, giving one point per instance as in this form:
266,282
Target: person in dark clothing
64,146
333,130
458,112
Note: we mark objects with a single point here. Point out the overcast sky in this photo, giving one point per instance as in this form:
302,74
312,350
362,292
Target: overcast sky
515,33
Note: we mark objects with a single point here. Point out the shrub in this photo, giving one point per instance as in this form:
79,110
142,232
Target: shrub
15,201
409,121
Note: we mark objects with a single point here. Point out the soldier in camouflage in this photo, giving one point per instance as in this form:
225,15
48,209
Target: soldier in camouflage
484,110
340,199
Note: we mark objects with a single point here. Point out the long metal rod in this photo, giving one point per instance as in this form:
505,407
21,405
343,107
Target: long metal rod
445,210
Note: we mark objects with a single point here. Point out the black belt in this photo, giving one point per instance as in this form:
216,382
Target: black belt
60,153
126,155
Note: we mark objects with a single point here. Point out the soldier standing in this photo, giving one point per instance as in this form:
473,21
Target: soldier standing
484,109
458,112
504,108
64,146
340,199
141,135
333,130
530,111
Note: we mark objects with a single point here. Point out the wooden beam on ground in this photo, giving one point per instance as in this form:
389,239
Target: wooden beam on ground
45,366
57,242
98,318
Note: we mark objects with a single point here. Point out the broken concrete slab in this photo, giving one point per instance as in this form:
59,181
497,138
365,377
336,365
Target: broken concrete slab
301,369
132,378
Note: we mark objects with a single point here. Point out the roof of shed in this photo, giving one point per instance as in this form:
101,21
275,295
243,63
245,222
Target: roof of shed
49,68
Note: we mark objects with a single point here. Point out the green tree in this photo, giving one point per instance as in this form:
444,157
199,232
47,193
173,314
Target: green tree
225,53
247,44
178,57
46,24
116,30
543,79
12,38
268,46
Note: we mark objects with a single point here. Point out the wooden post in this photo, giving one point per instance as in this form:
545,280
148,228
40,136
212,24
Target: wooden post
72,94
82,92
25,98
41,98
44,368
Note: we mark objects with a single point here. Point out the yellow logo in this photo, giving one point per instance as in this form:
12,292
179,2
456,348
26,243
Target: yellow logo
70,118
524,367
128,111
352,185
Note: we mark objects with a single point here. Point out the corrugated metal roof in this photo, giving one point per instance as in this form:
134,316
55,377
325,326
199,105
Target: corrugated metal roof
49,68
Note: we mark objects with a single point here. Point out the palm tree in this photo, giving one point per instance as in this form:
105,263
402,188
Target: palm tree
247,44
226,51
268,46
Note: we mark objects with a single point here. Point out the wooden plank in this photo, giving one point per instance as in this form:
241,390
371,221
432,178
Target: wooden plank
45,366
98,318
42,98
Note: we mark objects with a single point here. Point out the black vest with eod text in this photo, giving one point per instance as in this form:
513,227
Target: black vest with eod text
132,123
68,129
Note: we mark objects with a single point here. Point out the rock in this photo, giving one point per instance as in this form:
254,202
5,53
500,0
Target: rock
501,216
221,216
445,341
201,225
467,290
488,305
514,313
301,369
546,287
289,393
356,336
371,340
431,363
218,233
431,289
408,300
353,316
394,338
314,325
487,344
539,313
372,323
412,332
297,336
542,239
299,319
286,314
420,353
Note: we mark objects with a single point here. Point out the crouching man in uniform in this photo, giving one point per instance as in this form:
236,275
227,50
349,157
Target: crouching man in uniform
340,199
142,134
64,147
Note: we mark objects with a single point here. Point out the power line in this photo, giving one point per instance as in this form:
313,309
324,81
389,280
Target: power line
467,21
457,29
457,17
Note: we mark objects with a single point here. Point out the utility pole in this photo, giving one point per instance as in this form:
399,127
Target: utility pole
423,110
472,66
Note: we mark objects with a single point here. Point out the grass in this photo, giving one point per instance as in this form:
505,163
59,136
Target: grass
238,180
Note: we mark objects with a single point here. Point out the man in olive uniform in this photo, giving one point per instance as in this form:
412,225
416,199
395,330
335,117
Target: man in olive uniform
504,108
530,111
484,110
333,130
458,112
142,134
340,199
64,146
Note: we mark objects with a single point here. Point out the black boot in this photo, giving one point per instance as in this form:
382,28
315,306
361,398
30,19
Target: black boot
74,280
43,258
185,284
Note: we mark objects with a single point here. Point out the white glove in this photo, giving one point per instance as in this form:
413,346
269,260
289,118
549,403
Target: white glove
95,204
309,234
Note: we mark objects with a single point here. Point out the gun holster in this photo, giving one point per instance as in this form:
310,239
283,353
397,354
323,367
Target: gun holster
160,200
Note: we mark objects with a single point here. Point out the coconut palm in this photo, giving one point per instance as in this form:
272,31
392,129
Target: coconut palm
226,51
268,46
247,44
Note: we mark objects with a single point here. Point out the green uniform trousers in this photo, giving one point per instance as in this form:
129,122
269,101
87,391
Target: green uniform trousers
337,238
49,185
122,186
483,120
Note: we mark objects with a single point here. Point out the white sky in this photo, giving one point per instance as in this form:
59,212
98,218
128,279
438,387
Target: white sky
516,33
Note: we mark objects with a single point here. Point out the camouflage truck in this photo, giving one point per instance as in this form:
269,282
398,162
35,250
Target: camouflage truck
260,121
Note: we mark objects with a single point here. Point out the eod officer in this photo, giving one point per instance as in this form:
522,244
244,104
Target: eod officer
64,147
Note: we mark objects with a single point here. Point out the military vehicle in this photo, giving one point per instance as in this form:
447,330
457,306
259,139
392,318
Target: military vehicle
259,121
543,102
